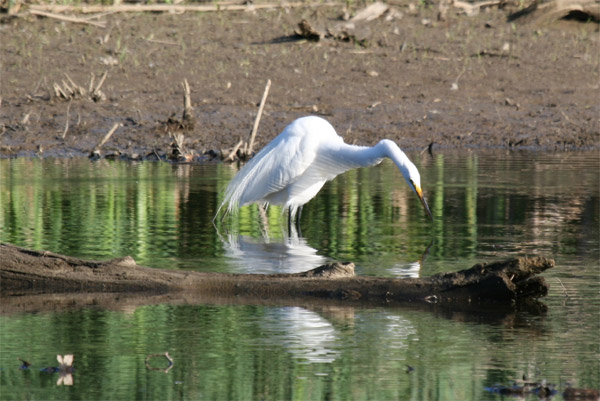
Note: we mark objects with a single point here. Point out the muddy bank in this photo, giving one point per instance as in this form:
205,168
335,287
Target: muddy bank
462,82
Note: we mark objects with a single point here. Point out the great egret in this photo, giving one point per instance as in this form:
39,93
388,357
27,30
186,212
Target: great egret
294,166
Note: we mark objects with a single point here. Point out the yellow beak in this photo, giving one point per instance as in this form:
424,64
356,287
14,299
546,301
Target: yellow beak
423,201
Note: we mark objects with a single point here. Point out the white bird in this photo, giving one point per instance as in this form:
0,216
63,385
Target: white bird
294,166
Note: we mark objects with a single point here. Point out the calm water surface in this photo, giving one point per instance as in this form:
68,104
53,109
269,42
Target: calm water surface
487,206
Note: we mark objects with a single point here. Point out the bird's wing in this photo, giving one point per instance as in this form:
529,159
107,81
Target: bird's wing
284,165
277,165
328,160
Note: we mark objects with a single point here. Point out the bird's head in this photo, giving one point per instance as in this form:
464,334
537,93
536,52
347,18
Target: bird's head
407,168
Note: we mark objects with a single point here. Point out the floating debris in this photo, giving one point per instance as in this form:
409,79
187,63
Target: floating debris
25,365
166,356
580,394
542,390
64,369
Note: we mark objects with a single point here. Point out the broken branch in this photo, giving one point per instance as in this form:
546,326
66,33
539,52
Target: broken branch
66,18
175,8
258,116
64,134
107,137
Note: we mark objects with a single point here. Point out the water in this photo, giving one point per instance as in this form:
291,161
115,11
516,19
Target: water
486,207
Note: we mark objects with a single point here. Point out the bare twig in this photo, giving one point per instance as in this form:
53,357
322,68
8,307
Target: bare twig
100,15
91,87
234,150
101,81
156,154
26,117
258,116
471,9
58,91
177,8
108,135
163,42
66,18
187,102
563,287
97,94
76,87
71,91
188,111
64,134
571,121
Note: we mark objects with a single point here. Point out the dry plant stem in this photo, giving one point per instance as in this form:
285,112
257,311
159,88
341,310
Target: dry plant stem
101,82
58,92
99,15
163,42
188,111
258,116
474,8
187,102
234,150
125,8
74,85
91,87
64,134
108,135
66,18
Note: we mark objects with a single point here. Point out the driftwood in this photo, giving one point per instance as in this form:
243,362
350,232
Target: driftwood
29,272
544,13
175,8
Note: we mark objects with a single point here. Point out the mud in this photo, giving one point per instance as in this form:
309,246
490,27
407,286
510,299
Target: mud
466,82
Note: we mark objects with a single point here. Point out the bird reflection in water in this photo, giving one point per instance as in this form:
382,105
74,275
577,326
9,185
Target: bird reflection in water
308,335
304,333
263,255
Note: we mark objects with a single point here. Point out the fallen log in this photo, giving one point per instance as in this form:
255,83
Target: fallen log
29,272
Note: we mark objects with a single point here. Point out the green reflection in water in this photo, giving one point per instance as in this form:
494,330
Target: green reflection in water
247,352
486,207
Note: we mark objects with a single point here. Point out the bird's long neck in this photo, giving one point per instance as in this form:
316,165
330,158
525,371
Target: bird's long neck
364,156
391,150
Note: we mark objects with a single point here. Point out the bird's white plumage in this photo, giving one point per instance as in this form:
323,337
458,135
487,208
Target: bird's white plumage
294,166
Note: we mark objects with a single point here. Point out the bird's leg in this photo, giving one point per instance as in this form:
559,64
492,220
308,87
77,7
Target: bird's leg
298,215
290,220
262,212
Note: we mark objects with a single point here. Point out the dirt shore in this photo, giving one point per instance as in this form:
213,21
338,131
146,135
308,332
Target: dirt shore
466,82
